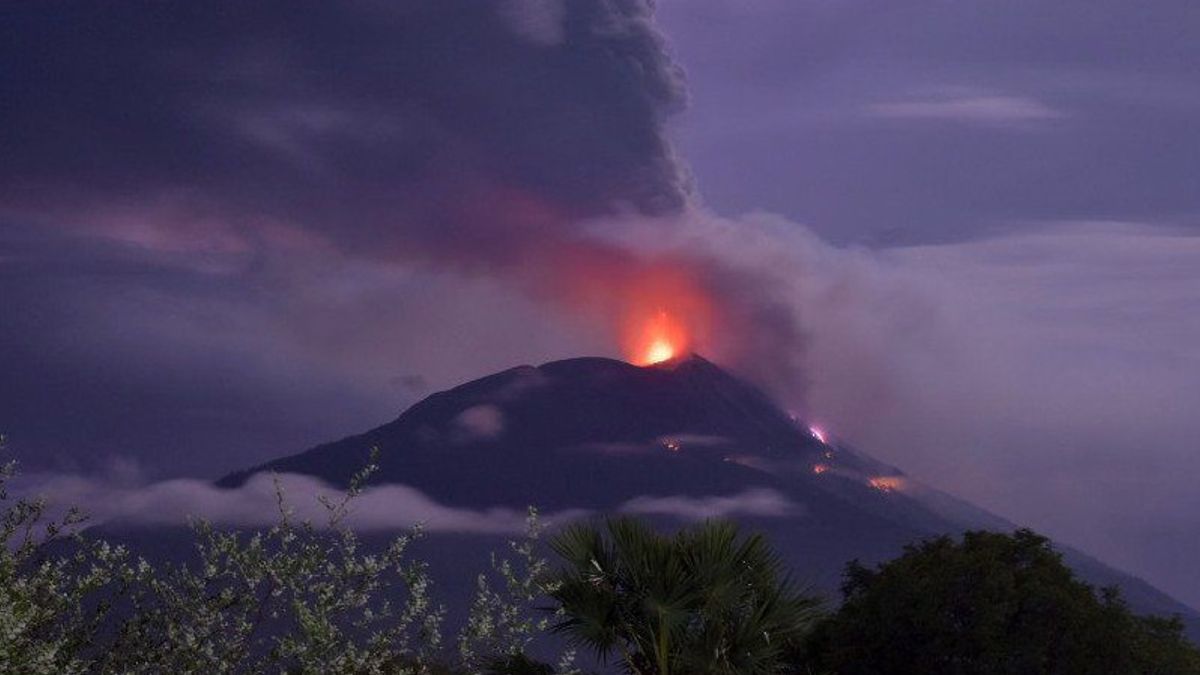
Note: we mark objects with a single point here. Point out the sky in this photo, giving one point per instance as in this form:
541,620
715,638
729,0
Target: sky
964,236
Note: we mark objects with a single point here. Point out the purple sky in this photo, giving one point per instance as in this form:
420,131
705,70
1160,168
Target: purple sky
972,227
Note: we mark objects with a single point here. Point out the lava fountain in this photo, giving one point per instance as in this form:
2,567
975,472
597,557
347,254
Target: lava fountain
663,338
664,312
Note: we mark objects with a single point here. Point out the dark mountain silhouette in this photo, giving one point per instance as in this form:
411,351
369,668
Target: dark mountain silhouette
604,435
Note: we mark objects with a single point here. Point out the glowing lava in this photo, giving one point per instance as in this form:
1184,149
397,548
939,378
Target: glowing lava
886,483
663,313
659,351
660,339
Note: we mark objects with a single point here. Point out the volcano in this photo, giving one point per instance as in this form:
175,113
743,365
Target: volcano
675,441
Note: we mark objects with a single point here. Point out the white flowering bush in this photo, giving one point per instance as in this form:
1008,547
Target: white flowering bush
503,621
296,598
53,601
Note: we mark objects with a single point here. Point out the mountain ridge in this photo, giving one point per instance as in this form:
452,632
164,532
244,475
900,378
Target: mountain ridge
594,433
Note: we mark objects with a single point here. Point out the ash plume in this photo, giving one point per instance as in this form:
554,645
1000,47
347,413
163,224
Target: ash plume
483,139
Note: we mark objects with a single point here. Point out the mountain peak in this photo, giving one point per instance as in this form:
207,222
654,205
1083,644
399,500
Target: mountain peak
580,410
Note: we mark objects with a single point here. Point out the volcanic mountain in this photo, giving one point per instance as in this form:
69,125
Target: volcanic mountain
679,440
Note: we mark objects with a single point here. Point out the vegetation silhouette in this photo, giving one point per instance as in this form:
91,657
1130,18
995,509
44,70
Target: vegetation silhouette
990,603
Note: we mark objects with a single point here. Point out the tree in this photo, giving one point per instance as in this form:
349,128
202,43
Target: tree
504,619
298,597
295,598
992,604
705,600
52,603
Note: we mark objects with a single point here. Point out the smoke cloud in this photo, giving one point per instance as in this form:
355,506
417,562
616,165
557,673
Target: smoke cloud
480,139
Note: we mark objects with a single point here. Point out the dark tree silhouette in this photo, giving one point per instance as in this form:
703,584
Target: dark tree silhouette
991,604
705,600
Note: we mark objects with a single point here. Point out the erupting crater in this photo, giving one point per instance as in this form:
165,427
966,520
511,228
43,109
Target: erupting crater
657,340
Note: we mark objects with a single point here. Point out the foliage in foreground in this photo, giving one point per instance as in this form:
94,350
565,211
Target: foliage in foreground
987,604
46,618
295,598
299,598
705,600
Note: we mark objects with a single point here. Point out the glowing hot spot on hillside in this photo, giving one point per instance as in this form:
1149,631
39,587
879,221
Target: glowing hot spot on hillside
886,483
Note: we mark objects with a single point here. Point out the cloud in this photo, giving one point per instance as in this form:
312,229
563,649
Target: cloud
541,21
1049,373
382,507
175,502
752,502
454,134
196,370
983,110
479,422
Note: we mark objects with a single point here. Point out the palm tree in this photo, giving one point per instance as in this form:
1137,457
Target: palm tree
705,600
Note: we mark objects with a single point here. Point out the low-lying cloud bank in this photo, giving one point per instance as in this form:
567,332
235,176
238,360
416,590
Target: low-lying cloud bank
383,507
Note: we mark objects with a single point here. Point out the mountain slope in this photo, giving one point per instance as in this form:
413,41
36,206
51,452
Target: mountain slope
604,435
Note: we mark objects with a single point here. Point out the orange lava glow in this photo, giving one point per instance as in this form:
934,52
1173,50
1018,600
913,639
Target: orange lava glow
820,468
664,314
663,338
659,351
886,483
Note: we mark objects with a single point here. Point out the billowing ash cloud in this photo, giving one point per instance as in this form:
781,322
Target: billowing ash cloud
481,139
429,124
